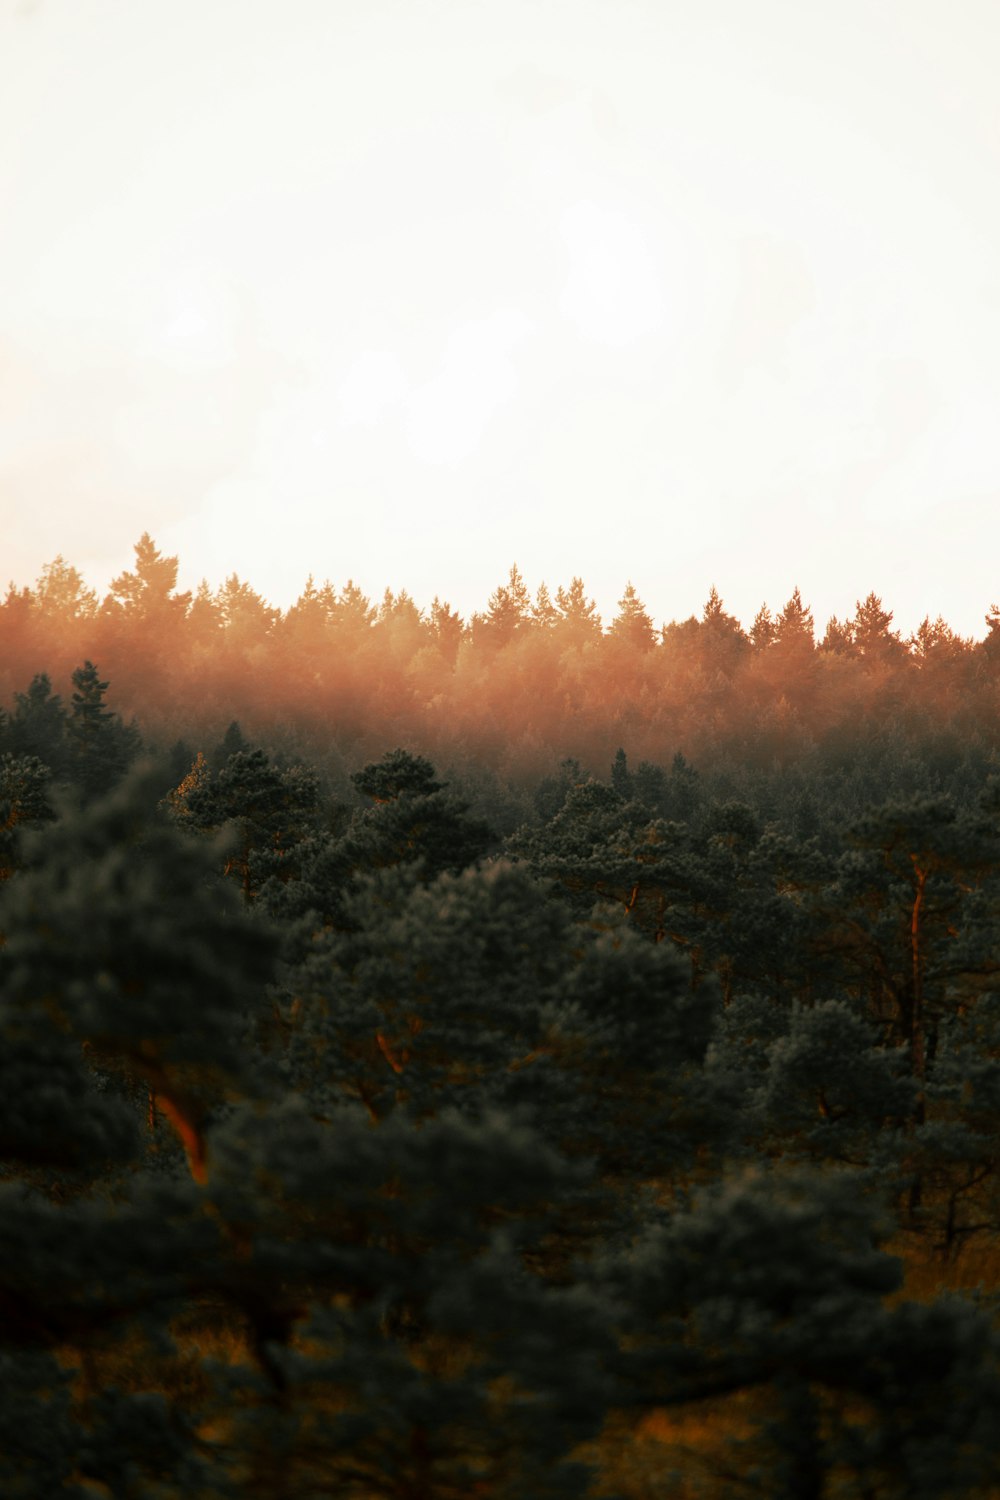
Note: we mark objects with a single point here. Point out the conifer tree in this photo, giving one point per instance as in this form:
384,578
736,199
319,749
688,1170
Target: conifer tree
543,611
508,611
38,725
269,812
106,942
60,592
839,638
873,639
578,621
446,628
763,629
794,625
632,624
353,613
777,1284
721,638
245,616
102,747
148,594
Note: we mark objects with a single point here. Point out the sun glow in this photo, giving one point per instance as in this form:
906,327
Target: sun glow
426,297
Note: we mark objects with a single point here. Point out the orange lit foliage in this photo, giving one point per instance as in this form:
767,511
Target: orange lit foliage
516,689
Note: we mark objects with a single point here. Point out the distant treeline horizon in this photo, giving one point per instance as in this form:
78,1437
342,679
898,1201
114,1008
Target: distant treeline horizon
62,586
515,688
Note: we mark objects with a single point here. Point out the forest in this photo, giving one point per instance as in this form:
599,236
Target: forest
518,1057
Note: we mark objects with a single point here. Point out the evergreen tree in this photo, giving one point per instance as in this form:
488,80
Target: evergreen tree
508,612
148,594
446,628
246,617
102,747
37,726
721,633
270,813
934,643
794,626
632,625
543,611
839,639
763,630
353,613
105,943
578,621
396,774
777,1285
61,593
23,801
233,742
621,779
873,639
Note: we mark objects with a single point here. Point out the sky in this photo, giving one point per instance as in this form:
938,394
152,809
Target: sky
682,294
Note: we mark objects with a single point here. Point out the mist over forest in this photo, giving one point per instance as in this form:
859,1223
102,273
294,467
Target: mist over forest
521,1056
523,684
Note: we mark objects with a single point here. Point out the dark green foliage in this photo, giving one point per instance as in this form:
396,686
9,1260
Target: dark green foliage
395,774
106,946
415,824
456,1154
232,743
100,746
480,989
778,1284
383,1241
957,1150
552,791
268,812
54,1112
24,802
829,1091
37,726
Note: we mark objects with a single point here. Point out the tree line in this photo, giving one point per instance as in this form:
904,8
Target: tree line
522,685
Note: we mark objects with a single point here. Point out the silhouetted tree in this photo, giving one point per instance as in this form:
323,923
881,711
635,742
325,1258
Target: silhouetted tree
632,625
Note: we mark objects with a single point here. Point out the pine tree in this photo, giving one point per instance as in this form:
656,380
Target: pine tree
38,725
105,941
398,772
245,616
776,1283
102,746
61,593
508,611
353,613
446,628
874,641
839,638
632,625
763,629
621,780
270,812
543,611
148,594
794,626
578,621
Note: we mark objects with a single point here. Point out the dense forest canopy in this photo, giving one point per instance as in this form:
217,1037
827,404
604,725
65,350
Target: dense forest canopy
508,1058
522,685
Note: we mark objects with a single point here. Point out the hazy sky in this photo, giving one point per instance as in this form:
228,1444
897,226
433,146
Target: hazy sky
677,291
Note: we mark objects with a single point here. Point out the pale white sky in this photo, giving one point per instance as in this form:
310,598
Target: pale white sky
677,291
